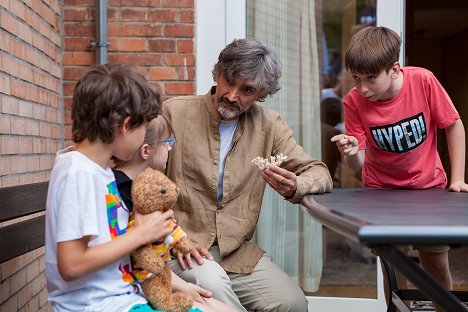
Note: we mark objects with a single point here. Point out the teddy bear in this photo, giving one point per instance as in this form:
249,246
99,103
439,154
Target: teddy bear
153,191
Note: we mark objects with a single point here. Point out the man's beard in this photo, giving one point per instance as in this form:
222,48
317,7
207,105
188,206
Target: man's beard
227,112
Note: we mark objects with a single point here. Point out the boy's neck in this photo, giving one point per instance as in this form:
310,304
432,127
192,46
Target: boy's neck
97,151
132,169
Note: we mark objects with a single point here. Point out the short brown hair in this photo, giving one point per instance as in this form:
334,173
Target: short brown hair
105,96
372,50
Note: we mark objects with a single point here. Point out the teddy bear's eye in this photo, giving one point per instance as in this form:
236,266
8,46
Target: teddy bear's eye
162,190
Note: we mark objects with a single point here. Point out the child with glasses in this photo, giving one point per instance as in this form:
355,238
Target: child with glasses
159,140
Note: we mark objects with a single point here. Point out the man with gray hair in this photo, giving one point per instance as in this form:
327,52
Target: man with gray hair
218,136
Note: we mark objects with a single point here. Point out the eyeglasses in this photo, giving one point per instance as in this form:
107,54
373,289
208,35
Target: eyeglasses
171,141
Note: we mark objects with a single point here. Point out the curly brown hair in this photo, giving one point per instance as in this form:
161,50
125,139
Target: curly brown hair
105,96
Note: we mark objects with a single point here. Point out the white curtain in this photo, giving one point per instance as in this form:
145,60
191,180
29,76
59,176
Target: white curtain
288,28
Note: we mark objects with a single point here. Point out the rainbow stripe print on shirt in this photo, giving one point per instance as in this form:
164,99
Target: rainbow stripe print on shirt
114,208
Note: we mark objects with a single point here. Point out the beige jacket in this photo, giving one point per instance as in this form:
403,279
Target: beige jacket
193,166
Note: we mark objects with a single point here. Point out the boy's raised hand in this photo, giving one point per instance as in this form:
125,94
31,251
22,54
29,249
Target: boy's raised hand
153,226
458,186
347,144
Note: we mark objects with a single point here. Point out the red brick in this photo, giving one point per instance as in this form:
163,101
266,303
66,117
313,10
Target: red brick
69,87
179,60
78,58
25,109
133,15
18,281
4,124
18,9
75,14
18,165
73,73
178,3
25,146
9,105
27,178
32,271
24,295
5,41
78,43
173,88
12,303
9,268
79,3
162,73
186,73
133,3
134,30
5,166
4,289
79,29
162,45
5,85
10,144
24,32
32,127
150,59
10,65
185,46
44,129
179,30
33,164
45,162
6,181
33,304
18,126
9,23
26,73
162,15
186,16
133,45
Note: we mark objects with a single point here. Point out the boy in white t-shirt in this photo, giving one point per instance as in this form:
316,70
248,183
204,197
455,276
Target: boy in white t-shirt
88,266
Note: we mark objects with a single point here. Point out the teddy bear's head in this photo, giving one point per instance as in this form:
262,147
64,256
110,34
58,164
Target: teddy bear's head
153,191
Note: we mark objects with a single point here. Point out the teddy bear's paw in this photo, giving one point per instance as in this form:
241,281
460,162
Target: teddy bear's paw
177,302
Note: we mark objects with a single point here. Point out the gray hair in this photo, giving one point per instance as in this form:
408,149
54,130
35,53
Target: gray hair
252,60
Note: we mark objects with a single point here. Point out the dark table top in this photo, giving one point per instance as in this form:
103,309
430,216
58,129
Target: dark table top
391,216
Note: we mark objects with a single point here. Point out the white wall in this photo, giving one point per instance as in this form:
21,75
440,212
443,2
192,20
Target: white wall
218,22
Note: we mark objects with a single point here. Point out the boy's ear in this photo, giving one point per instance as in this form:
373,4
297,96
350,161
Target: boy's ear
125,125
145,151
395,70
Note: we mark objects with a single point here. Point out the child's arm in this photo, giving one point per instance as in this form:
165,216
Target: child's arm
195,292
456,146
75,258
349,148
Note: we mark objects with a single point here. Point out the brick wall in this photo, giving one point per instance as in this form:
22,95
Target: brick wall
44,48
155,35
31,126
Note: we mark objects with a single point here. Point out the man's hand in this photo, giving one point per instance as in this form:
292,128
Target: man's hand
198,252
281,180
347,144
458,186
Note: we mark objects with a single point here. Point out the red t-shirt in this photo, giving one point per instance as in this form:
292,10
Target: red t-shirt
400,135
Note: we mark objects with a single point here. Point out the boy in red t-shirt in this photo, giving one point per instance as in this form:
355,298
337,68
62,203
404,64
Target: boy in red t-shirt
391,117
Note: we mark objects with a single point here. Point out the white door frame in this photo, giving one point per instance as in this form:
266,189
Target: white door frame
218,22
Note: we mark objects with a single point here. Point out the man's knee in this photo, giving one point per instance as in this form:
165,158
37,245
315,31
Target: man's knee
291,302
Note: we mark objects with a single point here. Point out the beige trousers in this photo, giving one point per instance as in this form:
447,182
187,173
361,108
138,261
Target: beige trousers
267,288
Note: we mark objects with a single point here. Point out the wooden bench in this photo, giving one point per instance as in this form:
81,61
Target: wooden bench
25,202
